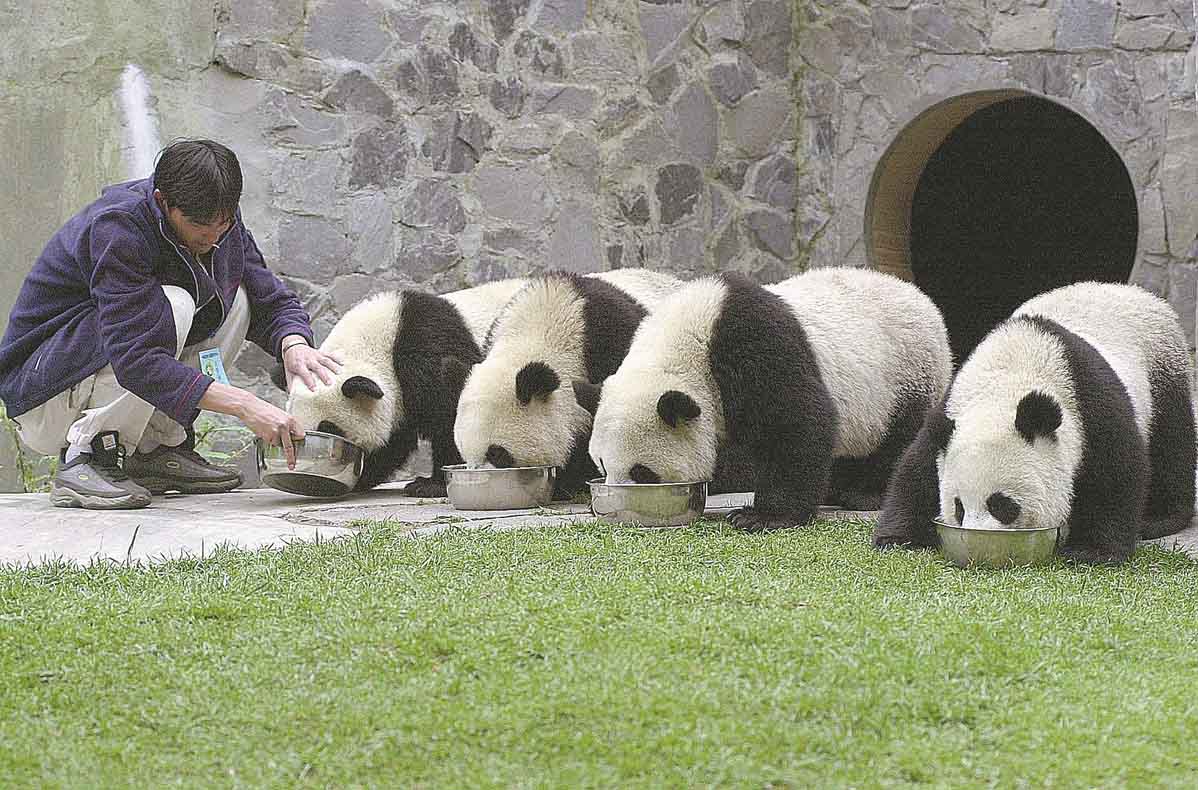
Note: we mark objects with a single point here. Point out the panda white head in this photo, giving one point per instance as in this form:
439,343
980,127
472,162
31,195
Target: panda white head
522,417
355,406
654,429
1008,468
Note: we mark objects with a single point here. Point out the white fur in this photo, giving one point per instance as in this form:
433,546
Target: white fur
365,338
859,323
668,352
876,339
1132,329
644,285
480,305
542,323
987,455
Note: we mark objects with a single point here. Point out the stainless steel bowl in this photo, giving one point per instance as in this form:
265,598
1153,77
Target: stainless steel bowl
499,489
649,504
996,548
326,465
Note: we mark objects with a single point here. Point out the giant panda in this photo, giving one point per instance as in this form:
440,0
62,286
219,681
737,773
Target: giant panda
1075,412
519,406
392,388
825,375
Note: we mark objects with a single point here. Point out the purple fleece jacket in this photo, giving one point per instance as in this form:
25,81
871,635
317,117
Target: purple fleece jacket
94,297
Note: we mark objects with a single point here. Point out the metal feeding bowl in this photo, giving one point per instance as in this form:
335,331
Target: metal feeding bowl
326,465
649,504
514,488
996,548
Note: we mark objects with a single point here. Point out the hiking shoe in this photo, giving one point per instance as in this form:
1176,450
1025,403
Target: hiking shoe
95,480
180,469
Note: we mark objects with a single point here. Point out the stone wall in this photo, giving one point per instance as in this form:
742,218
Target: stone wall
441,145
869,70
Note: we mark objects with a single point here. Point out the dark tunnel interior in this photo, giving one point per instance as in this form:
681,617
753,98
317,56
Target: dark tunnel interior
1023,196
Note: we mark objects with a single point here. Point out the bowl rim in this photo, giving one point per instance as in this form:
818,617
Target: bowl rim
1004,530
321,434
600,481
463,468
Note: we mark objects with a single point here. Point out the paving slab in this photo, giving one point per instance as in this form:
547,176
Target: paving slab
174,526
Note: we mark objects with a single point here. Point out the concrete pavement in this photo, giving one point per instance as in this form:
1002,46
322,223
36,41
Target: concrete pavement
33,532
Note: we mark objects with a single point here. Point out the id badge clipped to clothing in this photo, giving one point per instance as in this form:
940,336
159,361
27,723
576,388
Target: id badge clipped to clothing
212,366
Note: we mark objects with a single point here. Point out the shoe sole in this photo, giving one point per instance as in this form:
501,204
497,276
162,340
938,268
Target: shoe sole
66,497
160,485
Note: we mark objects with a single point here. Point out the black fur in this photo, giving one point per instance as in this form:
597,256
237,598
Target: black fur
355,386
860,483
676,407
1111,483
587,395
1038,414
535,380
775,404
912,497
431,357
1171,452
610,319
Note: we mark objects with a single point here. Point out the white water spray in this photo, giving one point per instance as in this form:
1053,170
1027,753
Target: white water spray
141,124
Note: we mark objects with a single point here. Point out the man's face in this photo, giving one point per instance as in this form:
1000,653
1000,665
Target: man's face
196,237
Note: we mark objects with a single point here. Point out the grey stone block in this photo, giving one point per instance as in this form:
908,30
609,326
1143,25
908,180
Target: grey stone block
771,231
516,194
661,83
773,182
539,54
1086,24
694,125
371,229
466,46
427,256
569,101
380,157
768,35
457,141
507,96
678,189
433,204
661,25
504,15
574,244
561,15
350,29
313,248
358,92
935,30
292,120
731,76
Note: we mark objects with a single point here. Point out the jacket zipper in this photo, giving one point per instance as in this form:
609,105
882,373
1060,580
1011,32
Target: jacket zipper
191,271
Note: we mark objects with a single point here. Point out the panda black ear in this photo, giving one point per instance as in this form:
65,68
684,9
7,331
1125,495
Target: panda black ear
454,372
360,385
587,395
536,380
1038,414
676,407
278,377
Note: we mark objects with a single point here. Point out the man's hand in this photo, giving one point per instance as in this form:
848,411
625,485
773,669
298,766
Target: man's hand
268,422
272,425
300,359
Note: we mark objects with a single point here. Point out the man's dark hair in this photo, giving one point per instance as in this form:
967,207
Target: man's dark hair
201,178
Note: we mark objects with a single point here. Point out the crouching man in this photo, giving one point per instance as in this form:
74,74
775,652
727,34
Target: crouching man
122,330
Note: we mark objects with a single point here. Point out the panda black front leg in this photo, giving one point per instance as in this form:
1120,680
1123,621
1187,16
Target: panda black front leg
792,468
912,496
445,452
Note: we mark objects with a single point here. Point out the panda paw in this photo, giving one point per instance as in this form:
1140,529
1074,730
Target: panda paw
425,487
884,542
750,520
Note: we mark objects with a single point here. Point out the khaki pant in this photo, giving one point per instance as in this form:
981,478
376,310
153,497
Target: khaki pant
98,403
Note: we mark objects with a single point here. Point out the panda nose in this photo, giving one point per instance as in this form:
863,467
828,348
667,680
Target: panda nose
499,457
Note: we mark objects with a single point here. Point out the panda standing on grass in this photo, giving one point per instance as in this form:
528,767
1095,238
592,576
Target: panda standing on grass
821,381
525,404
1075,412
392,388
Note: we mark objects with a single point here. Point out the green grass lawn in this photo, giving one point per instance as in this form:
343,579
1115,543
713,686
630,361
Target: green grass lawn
600,656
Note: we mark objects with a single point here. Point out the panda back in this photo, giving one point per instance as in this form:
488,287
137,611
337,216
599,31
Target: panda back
646,286
479,306
878,342
1137,333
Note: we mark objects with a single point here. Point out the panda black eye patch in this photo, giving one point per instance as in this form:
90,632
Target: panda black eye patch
1003,508
960,510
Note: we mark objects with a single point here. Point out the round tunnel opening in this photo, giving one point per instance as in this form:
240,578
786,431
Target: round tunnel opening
1021,197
